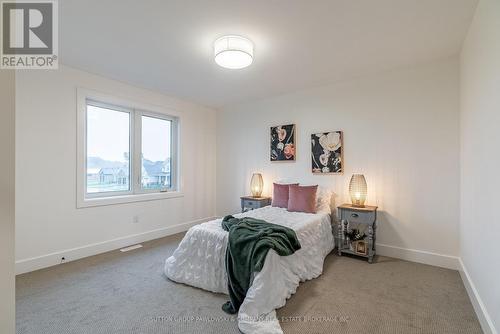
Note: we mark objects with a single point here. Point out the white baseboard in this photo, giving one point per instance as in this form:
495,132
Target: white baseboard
445,261
419,256
477,302
48,260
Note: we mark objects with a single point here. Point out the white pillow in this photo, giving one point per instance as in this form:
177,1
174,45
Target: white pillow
286,181
323,199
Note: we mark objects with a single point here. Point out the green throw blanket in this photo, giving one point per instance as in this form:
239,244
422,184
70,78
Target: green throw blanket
249,241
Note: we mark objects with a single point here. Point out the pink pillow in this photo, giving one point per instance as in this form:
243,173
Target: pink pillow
280,195
302,198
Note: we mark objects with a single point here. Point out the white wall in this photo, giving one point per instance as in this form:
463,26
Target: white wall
7,152
401,129
480,160
48,223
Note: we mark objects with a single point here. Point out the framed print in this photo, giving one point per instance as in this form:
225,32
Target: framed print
361,247
327,153
283,143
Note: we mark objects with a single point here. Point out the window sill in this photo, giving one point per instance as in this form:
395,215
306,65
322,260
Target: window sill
112,200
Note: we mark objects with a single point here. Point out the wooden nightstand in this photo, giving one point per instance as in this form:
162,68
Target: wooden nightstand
353,217
250,203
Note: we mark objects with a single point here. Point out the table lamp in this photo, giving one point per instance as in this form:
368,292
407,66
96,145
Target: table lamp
358,190
256,185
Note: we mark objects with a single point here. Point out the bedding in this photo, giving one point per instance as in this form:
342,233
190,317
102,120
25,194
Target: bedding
249,242
199,262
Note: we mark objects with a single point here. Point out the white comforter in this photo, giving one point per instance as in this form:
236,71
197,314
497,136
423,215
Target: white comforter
199,261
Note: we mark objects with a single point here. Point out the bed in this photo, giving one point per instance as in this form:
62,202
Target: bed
199,261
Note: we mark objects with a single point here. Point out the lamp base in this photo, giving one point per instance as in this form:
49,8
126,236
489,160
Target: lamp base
358,205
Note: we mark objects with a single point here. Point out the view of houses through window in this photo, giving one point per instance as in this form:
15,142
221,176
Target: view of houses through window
108,151
155,153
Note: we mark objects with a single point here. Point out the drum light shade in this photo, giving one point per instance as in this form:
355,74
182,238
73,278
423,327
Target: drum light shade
358,190
256,185
233,52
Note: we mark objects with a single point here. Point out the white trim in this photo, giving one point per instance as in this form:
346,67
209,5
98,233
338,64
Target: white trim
136,110
131,140
174,122
48,260
130,248
419,256
449,262
477,302
112,200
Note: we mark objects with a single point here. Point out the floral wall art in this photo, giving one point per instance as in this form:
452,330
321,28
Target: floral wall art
283,143
327,152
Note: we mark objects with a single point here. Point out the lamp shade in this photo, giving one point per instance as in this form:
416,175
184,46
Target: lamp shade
233,52
358,190
256,185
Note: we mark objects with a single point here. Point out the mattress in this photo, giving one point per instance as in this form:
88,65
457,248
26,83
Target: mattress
199,261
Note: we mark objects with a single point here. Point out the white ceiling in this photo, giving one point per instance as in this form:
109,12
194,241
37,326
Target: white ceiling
166,45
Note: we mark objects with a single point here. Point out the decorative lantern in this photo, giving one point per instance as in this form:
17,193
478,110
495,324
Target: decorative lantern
256,185
358,190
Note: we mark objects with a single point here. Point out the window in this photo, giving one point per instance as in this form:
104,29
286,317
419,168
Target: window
108,149
126,153
156,153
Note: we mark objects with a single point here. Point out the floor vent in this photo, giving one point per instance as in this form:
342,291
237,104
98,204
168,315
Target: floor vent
129,248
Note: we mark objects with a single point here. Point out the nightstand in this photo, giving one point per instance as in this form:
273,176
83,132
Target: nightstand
354,217
250,203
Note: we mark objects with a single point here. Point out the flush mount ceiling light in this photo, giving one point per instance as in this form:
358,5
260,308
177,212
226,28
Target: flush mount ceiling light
233,52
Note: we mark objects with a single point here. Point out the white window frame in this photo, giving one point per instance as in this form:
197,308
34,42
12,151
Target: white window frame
136,110
138,148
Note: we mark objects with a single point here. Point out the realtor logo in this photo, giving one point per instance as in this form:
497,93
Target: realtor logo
29,35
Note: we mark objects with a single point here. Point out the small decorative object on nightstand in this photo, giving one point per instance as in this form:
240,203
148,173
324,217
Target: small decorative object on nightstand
363,221
250,202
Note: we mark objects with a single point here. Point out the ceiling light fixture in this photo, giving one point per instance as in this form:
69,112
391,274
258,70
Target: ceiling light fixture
233,52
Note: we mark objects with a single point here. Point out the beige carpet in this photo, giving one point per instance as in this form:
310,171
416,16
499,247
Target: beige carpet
127,293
